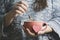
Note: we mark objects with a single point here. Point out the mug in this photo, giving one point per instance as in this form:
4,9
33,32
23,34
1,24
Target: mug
35,26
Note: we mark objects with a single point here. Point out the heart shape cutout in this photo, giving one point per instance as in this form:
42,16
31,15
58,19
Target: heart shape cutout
36,28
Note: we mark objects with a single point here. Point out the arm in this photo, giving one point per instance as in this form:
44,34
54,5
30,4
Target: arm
55,21
9,18
18,8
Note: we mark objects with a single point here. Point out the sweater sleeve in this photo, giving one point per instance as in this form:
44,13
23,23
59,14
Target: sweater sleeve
55,21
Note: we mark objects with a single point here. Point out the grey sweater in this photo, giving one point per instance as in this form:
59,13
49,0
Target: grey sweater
50,14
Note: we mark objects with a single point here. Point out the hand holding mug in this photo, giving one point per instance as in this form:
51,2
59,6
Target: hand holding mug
33,27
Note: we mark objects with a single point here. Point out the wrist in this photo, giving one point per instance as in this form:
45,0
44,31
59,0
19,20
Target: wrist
12,12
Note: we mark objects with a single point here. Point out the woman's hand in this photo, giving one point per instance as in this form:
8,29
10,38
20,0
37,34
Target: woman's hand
20,7
28,32
47,30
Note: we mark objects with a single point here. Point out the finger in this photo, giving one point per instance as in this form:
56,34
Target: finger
24,3
22,6
19,12
20,9
30,32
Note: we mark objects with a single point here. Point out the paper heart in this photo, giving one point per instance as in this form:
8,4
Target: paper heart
36,28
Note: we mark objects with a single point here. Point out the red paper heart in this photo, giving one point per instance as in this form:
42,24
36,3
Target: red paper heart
36,28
